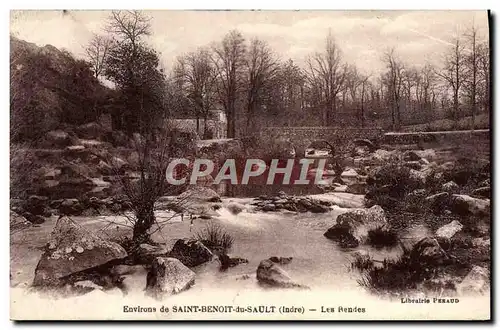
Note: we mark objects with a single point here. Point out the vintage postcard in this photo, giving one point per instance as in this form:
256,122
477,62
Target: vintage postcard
250,165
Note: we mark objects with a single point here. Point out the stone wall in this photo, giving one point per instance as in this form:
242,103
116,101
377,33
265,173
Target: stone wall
302,137
443,137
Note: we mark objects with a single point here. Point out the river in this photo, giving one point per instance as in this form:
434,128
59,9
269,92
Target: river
317,262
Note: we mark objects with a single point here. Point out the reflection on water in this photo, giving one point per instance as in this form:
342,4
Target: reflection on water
255,190
317,262
258,185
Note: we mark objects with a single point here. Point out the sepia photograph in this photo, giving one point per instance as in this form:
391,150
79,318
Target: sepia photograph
308,165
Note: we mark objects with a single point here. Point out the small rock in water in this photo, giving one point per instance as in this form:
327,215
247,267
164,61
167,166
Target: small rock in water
269,208
268,273
281,260
449,230
352,227
481,242
168,276
191,252
410,156
450,187
482,192
243,277
427,251
235,208
466,205
227,262
476,282
349,176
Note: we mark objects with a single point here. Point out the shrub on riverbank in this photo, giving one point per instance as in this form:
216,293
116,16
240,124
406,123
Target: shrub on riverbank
382,237
362,262
389,184
216,238
397,276
435,265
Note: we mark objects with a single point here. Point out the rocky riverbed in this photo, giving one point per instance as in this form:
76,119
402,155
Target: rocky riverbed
434,210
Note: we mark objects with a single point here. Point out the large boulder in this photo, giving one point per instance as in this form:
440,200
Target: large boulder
57,138
429,154
449,230
235,208
104,168
73,249
353,226
450,187
411,155
382,156
191,252
270,274
73,181
168,276
477,281
356,188
146,253
71,206
365,144
200,194
90,131
419,177
484,192
119,164
467,205
34,218
349,176
18,222
427,251
438,202
36,205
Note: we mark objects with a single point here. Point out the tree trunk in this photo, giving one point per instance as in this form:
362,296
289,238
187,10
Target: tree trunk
145,219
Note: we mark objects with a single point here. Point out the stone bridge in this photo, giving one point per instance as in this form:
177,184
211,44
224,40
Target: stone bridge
336,137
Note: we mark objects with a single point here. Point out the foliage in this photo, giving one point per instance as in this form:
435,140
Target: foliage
382,237
23,166
389,185
361,262
134,70
49,88
215,237
397,276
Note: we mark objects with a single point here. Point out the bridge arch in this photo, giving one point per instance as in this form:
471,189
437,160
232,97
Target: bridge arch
336,137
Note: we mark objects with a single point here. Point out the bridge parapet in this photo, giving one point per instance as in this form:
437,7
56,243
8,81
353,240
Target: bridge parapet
301,135
338,137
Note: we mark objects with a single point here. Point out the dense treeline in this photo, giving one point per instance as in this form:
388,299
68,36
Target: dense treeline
246,78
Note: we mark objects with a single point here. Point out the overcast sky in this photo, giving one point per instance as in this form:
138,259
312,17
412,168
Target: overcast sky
418,36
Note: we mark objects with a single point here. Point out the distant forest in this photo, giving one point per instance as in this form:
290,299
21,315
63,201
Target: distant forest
246,78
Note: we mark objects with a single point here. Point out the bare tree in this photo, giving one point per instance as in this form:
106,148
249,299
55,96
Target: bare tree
198,75
364,82
261,67
229,61
427,91
484,72
97,51
129,25
453,73
328,73
472,72
394,79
